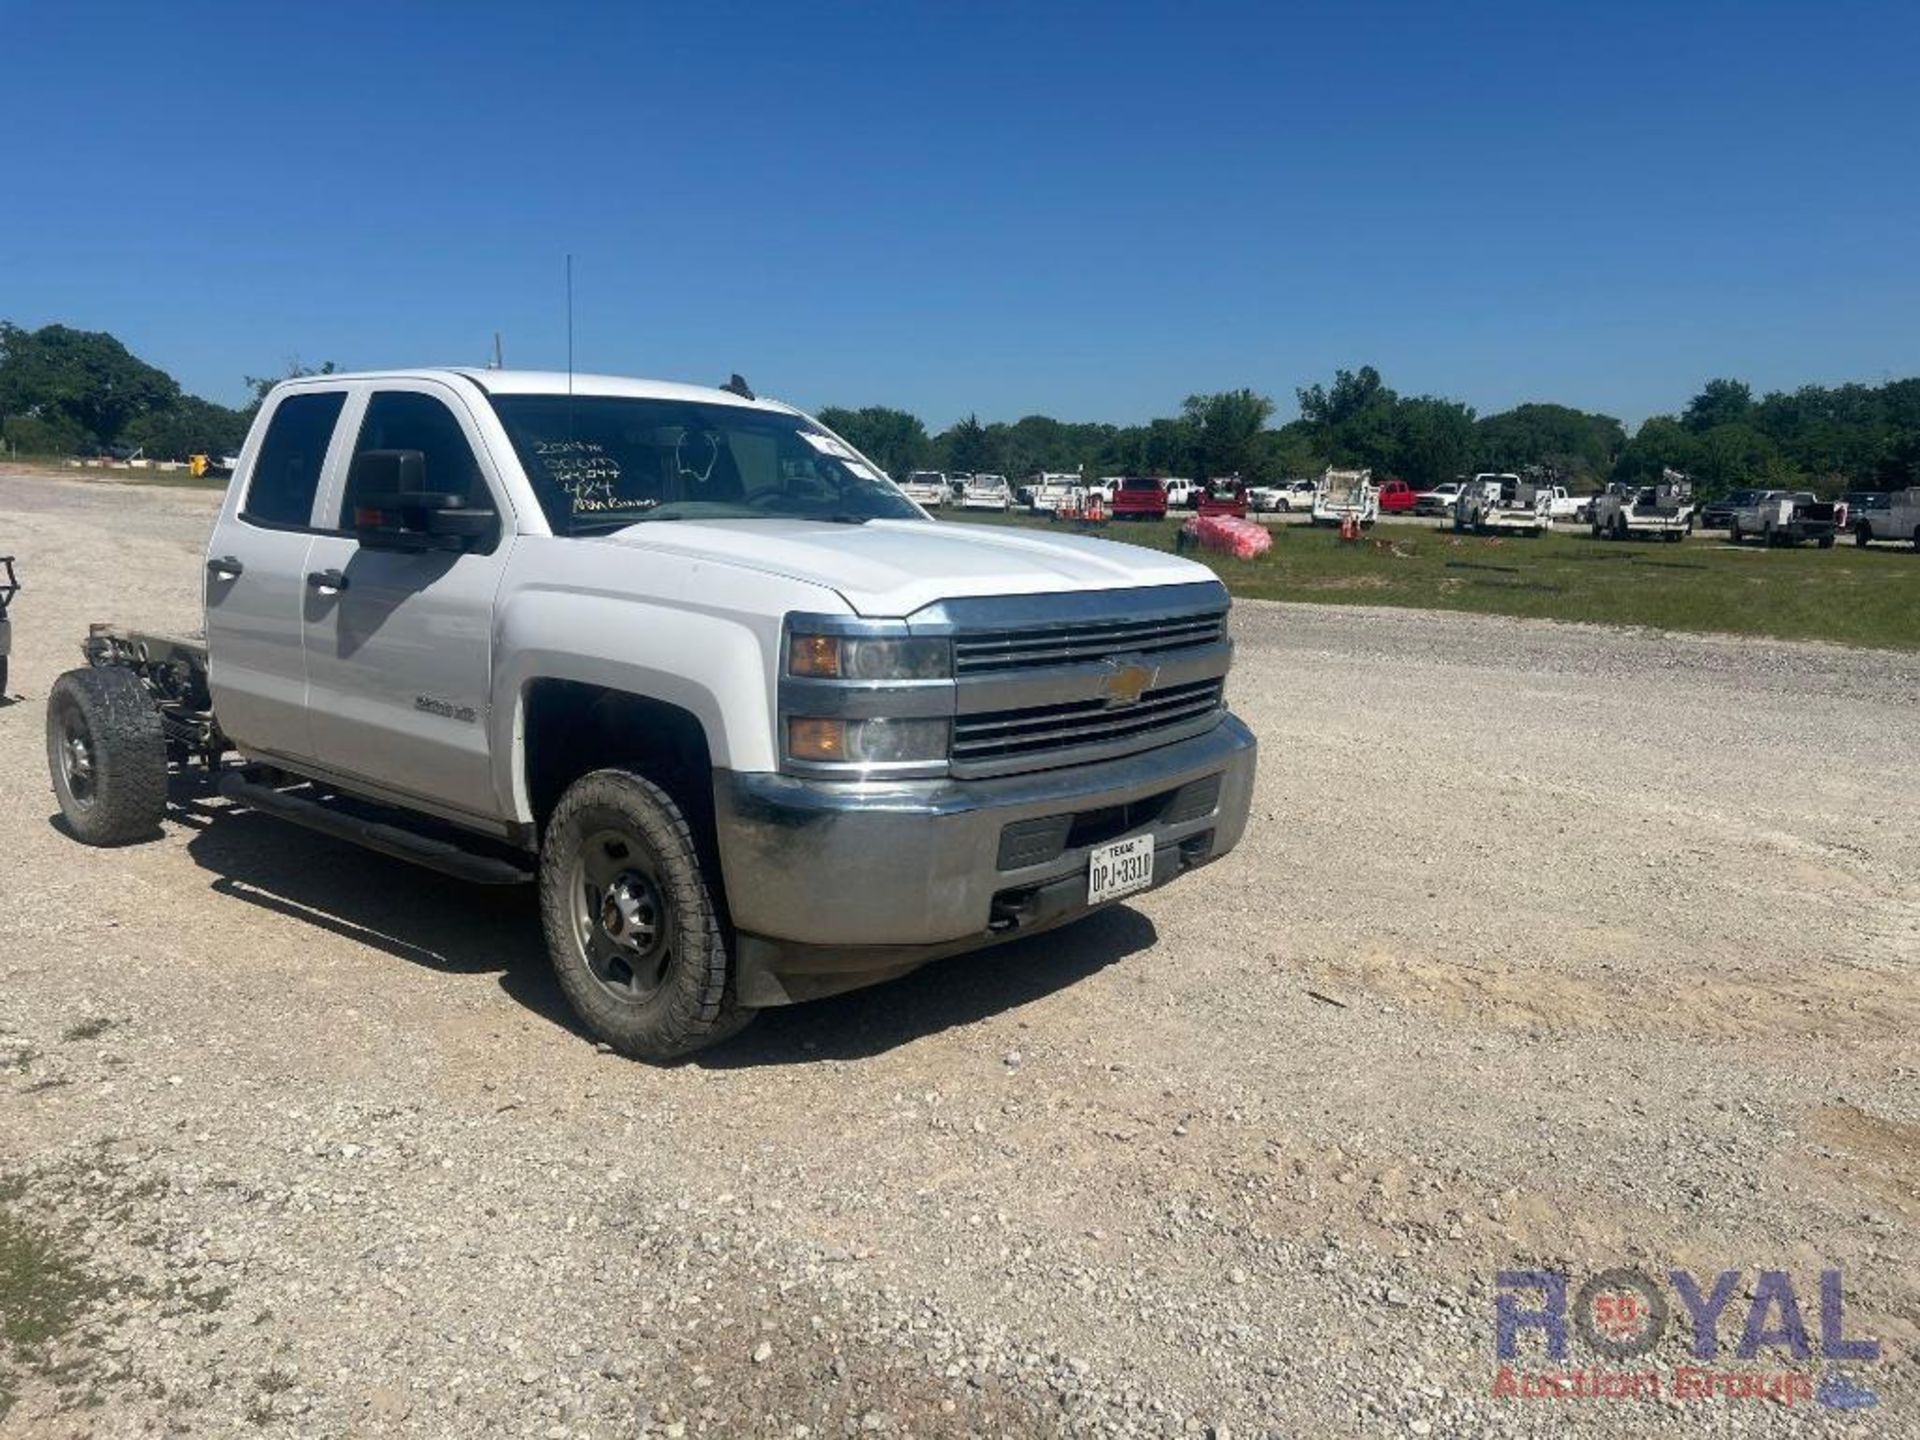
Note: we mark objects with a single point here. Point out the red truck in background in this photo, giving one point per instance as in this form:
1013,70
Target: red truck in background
1397,497
1138,498
1223,497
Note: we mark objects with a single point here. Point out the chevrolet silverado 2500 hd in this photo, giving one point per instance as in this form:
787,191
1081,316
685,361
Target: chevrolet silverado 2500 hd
760,729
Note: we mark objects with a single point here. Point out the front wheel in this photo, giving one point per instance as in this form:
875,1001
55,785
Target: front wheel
1733,532
108,756
633,927
1861,536
1826,542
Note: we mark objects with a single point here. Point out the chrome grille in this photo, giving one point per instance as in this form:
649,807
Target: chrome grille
981,652
1056,732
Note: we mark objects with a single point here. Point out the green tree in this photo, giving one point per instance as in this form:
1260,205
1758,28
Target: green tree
1572,443
1720,402
895,438
189,426
1351,422
78,379
967,447
1226,428
1433,440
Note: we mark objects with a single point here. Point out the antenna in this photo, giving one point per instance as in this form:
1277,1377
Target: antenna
569,345
499,357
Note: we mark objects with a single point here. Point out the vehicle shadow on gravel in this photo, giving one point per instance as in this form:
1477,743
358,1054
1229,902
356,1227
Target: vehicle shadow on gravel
956,991
408,912
448,925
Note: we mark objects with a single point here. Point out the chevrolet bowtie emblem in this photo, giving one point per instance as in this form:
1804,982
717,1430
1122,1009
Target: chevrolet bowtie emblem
1126,681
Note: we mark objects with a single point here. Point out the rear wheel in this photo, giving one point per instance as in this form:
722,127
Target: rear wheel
108,756
1861,535
3,677
1826,542
633,928
1620,527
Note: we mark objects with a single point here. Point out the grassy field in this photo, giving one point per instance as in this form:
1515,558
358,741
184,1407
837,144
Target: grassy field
1846,595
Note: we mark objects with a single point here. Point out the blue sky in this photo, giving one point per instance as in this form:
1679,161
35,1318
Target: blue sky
1086,211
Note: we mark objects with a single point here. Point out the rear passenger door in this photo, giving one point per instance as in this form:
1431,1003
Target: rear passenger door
399,644
256,574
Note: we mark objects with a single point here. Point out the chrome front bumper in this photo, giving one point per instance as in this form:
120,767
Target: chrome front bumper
835,885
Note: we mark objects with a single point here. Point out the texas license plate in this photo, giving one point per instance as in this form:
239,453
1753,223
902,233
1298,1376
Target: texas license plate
1120,868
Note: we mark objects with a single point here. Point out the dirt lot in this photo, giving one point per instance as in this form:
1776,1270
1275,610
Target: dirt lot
1550,947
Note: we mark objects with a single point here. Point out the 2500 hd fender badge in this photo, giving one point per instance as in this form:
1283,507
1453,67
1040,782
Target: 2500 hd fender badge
446,709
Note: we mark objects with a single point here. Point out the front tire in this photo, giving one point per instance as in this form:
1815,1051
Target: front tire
1826,542
108,756
633,927
1733,532
1862,535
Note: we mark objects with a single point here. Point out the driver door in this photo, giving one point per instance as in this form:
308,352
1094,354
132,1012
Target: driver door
399,644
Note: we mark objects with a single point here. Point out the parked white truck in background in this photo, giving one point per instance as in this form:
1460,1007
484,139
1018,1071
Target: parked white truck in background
1496,503
1885,515
986,492
1624,510
1051,491
799,739
1340,494
926,487
1785,517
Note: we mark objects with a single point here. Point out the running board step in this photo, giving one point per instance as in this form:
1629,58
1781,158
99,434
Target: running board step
402,844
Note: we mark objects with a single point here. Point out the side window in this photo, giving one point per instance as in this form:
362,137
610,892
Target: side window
287,471
408,420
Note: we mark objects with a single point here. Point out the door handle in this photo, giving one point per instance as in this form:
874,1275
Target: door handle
225,568
325,580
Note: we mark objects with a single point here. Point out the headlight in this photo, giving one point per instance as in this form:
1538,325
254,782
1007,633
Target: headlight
859,657
867,742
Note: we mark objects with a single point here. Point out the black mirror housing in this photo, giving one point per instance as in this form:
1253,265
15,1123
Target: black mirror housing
393,509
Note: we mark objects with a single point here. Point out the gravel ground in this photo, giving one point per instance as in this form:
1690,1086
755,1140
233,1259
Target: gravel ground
1549,946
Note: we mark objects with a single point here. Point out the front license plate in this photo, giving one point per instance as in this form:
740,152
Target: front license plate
1120,869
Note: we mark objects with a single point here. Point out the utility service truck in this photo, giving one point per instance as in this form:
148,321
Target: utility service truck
1340,495
1785,517
1502,504
755,726
1624,510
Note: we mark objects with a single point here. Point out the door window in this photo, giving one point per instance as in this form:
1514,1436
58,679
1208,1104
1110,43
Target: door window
286,473
409,420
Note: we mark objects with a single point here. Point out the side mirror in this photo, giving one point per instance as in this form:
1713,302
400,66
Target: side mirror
393,509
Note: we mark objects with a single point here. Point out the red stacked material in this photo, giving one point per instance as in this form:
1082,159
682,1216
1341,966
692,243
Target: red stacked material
1242,539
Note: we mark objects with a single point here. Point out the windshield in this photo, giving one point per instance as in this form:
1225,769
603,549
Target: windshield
601,462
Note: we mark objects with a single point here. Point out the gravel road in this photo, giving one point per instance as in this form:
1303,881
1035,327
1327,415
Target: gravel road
1549,947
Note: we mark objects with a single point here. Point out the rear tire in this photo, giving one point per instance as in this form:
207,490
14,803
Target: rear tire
1862,534
1826,542
3,677
108,756
633,928
1620,531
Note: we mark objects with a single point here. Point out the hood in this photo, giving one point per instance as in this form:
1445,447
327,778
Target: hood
895,567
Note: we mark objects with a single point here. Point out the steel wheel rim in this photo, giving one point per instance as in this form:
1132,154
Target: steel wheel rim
622,916
77,769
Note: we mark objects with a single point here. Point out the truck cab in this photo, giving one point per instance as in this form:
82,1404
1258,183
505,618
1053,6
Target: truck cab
755,727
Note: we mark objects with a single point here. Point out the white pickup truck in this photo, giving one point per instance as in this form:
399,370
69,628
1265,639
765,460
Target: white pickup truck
1785,517
1503,504
1878,515
758,726
1625,509
1050,491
